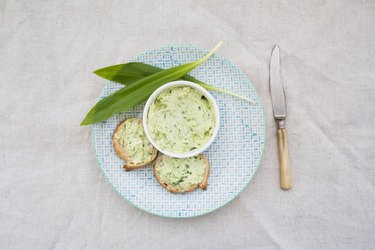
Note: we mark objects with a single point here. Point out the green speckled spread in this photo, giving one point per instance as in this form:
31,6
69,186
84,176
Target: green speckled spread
181,119
181,173
134,142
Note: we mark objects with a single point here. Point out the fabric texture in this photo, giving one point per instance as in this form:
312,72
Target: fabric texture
53,195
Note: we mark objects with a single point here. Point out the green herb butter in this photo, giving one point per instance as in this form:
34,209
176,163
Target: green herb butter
182,173
180,120
133,140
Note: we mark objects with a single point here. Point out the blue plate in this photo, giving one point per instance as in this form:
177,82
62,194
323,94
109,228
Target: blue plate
234,156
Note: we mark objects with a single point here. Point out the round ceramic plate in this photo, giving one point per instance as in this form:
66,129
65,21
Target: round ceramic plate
234,156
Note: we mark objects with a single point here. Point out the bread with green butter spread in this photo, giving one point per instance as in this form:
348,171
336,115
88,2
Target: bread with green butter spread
131,144
182,175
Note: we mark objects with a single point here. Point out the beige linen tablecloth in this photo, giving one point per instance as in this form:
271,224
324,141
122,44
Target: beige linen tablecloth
54,196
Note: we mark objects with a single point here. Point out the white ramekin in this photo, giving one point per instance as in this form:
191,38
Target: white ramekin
209,97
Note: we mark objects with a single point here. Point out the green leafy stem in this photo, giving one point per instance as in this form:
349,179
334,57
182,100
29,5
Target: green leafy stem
141,81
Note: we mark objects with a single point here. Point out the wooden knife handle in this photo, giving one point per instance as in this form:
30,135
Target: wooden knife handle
285,176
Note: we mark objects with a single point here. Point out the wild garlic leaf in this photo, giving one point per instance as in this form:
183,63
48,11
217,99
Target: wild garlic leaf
139,91
129,73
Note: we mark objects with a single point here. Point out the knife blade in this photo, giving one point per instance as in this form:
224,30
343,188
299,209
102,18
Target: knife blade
279,113
276,86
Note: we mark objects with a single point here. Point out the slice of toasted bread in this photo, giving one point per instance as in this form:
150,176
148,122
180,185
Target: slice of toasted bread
131,144
165,167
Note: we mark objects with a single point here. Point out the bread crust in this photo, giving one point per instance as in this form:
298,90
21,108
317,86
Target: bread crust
202,185
129,165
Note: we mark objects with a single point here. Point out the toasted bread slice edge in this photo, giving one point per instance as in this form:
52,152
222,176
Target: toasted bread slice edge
123,155
203,185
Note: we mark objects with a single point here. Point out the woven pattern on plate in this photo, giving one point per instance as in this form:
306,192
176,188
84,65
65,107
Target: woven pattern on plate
234,156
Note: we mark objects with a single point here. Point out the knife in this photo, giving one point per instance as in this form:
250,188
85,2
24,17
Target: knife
279,112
